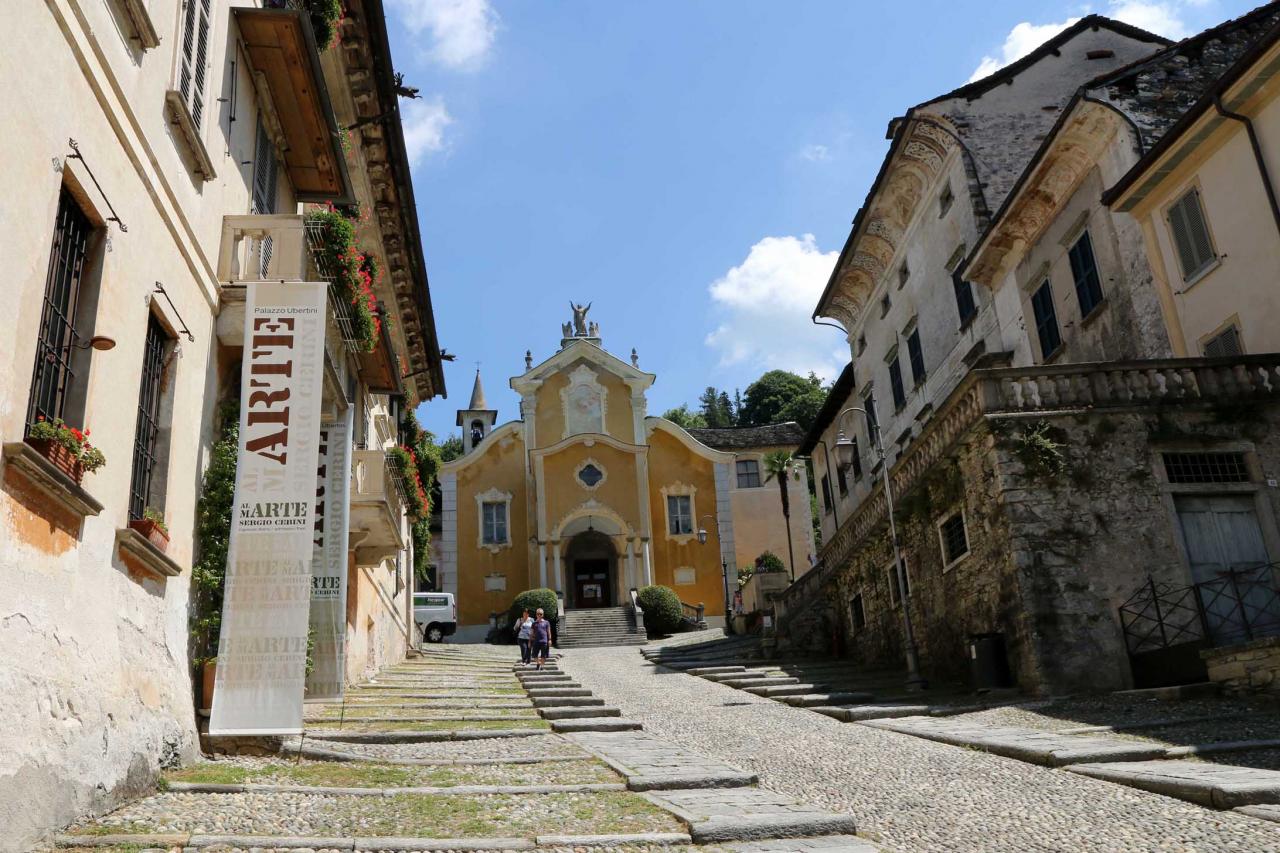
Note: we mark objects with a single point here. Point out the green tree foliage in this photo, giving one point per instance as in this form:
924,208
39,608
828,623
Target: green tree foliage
451,449
662,611
682,417
716,409
777,466
779,396
213,538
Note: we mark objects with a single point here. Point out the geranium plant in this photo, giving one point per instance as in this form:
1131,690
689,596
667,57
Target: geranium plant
353,270
76,441
156,517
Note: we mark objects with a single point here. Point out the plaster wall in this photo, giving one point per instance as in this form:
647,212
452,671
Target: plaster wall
758,523
618,417
672,463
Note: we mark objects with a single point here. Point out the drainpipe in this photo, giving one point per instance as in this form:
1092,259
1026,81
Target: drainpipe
1257,154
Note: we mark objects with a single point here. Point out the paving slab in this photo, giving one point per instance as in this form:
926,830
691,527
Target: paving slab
595,724
1219,786
579,713
809,700
767,681
797,689
859,713
749,814
1032,745
1271,813
566,701
843,843
662,838
714,670
745,675
652,764
547,692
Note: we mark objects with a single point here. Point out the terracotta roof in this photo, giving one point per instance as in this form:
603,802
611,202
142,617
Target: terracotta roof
786,434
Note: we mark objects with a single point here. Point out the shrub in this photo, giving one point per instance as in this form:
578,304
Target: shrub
770,562
662,611
533,599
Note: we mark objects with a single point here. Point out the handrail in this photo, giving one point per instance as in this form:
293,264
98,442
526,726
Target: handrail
394,470
635,605
1237,606
694,612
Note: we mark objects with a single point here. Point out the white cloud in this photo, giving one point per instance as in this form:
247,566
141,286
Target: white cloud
766,302
461,31
1163,17
424,126
815,153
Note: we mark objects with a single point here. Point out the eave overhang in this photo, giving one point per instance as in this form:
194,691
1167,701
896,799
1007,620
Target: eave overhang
282,51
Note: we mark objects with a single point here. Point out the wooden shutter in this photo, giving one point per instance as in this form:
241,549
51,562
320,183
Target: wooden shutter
188,51
1226,343
1191,235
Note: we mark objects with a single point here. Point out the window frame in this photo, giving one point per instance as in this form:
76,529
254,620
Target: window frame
679,489
896,386
1088,282
195,34
149,422
494,515
966,305
915,356
826,494
1041,324
858,612
1211,262
739,473
1232,327
493,497
679,515
946,198
895,597
949,562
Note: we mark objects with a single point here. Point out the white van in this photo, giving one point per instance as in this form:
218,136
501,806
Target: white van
436,615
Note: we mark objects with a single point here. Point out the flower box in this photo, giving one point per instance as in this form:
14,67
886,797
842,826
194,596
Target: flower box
155,534
60,457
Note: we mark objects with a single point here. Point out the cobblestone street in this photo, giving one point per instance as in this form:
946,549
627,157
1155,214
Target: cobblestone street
906,793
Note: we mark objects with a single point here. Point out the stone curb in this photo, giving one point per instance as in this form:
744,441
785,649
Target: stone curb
613,840
456,718
1224,746
339,736
766,681
451,790
579,713
1263,789
552,692
678,782
596,724
65,840
566,702
1271,813
759,827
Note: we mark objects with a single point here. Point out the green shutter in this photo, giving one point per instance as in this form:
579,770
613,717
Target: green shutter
1191,235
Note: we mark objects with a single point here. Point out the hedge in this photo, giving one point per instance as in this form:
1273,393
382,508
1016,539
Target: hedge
662,611
533,599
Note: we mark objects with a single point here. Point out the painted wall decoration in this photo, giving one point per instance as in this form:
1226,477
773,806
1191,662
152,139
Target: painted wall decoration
584,402
266,608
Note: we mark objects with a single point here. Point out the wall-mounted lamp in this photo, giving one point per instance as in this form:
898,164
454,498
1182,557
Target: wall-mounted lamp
101,343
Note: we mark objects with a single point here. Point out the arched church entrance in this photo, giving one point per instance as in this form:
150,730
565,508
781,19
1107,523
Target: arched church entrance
591,570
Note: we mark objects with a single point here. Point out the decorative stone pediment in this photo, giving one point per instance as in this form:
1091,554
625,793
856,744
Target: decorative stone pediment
585,403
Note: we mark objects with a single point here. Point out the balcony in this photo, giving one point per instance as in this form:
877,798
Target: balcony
377,507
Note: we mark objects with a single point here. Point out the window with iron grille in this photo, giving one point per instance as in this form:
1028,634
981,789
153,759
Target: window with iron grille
1225,343
53,375
748,473
857,613
194,56
1084,270
148,423
915,354
895,381
873,420
1046,320
1206,468
965,303
857,458
1191,235
954,538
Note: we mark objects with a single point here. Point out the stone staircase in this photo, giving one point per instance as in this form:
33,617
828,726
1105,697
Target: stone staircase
604,626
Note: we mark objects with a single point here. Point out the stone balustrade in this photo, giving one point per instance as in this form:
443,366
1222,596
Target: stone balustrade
264,248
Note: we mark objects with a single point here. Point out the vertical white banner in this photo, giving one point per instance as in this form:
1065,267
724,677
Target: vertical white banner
329,566
262,650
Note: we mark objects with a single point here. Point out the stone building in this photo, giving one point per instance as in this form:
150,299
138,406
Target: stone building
588,496
159,160
1053,460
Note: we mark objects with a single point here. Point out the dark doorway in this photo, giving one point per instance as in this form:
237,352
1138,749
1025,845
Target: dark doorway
591,568
591,583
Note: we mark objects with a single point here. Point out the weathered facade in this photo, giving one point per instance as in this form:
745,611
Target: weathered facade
1042,479
159,183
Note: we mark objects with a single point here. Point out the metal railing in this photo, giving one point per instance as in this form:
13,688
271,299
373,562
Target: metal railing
1238,606
324,271
395,474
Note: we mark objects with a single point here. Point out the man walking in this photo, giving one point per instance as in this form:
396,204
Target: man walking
541,638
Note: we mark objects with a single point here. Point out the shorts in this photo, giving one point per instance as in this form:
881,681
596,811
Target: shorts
541,649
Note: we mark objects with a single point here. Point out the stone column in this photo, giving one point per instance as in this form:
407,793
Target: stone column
648,564
542,564
557,576
631,564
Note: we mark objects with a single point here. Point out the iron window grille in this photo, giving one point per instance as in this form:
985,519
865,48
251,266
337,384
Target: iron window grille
915,354
748,471
54,374
147,430
954,538
1046,318
965,303
1191,235
1084,270
679,514
895,382
873,420
1183,468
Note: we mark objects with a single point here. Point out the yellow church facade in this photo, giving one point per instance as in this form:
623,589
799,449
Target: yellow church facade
587,495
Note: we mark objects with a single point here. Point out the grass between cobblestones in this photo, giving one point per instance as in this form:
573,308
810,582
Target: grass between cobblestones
413,815
430,725
372,775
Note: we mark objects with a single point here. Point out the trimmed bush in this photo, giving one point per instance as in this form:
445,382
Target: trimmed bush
770,562
532,599
662,611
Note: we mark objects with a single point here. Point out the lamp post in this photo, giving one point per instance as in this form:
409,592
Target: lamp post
724,569
845,449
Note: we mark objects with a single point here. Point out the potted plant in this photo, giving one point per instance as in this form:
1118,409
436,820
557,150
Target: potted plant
152,526
66,447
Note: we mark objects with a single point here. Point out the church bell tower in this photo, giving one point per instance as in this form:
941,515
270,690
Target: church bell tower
477,419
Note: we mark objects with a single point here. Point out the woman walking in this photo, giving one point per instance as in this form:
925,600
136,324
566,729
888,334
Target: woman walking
524,631
541,638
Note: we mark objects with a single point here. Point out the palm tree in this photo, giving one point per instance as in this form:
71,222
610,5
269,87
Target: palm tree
777,466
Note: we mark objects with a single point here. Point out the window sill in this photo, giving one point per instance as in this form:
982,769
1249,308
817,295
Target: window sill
1054,356
1201,275
681,538
137,551
51,482
186,125
144,30
1093,315
494,547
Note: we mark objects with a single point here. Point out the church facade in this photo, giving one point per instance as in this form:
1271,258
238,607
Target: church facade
587,495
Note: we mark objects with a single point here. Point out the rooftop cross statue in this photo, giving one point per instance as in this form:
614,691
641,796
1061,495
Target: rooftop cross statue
580,318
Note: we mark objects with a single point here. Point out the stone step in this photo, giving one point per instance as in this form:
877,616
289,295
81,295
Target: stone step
715,670
568,702
745,675
778,691
769,681
858,713
1217,786
578,713
749,814
595,724
811,700
548,692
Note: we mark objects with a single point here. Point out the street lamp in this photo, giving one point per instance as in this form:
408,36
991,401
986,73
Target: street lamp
724,568
846,449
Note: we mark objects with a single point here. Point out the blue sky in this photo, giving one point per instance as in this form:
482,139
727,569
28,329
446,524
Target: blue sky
689,167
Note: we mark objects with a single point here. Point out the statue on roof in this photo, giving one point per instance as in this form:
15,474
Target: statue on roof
580,318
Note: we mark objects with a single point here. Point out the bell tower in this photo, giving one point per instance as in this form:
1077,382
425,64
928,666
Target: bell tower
477,420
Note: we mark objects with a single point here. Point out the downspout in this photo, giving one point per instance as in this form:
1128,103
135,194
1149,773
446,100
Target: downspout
1257,154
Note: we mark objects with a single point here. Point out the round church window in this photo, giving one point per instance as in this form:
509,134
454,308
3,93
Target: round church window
590,476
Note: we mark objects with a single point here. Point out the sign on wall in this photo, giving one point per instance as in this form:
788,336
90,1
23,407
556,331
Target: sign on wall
262,650
329,562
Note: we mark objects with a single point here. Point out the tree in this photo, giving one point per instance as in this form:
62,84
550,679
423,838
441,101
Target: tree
777,466
715,407
782,396
682,417
451,448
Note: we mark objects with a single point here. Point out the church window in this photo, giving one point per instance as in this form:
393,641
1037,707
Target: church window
494,530
679,514
590,475
748,474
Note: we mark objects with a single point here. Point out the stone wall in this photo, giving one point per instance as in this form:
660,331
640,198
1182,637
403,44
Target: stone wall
1246,668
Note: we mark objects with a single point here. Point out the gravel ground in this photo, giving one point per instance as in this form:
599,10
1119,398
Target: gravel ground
907,793
536,746
630,848
495,815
